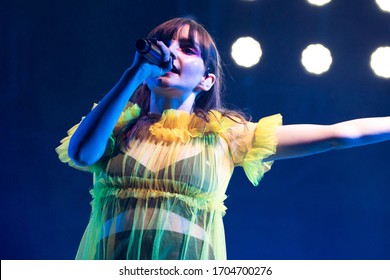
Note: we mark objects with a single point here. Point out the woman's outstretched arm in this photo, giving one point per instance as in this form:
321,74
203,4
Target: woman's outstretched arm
306,139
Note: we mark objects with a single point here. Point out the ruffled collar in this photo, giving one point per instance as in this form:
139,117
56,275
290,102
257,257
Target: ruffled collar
178,125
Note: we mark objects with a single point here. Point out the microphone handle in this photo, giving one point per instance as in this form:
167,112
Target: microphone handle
148,49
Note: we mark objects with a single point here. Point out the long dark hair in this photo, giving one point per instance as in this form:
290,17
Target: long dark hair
205,100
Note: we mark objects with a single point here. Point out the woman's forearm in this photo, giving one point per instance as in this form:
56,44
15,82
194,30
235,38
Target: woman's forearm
89,141
362,132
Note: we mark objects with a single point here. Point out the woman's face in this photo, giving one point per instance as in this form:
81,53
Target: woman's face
188,68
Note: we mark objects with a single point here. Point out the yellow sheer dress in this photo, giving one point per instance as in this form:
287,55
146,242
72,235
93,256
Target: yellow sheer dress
163,197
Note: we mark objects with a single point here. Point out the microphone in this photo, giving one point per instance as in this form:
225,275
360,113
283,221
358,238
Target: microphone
150,50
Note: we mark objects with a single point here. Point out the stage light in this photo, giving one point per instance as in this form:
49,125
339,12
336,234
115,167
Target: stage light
316,59
318,2
384,5
380,62
246,51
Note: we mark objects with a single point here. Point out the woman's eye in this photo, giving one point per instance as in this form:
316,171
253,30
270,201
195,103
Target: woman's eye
190,50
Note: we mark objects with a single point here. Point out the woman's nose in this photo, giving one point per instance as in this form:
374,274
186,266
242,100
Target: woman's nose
173,55
173,50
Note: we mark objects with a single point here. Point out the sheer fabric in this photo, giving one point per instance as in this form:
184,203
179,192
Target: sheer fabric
163,197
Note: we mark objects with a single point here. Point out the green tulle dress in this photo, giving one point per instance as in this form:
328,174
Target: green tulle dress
163,197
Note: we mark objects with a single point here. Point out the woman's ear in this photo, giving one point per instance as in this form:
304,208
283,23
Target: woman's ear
206,83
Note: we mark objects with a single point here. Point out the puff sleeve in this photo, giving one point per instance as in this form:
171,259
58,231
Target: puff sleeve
251,143
131,112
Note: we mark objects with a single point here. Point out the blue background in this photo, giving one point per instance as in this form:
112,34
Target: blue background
58,57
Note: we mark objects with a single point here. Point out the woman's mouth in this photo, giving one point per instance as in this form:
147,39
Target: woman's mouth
174,70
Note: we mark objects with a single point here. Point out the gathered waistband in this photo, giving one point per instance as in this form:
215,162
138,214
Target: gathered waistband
209,201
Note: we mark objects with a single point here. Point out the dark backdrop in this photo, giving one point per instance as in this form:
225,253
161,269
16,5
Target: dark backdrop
58,57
